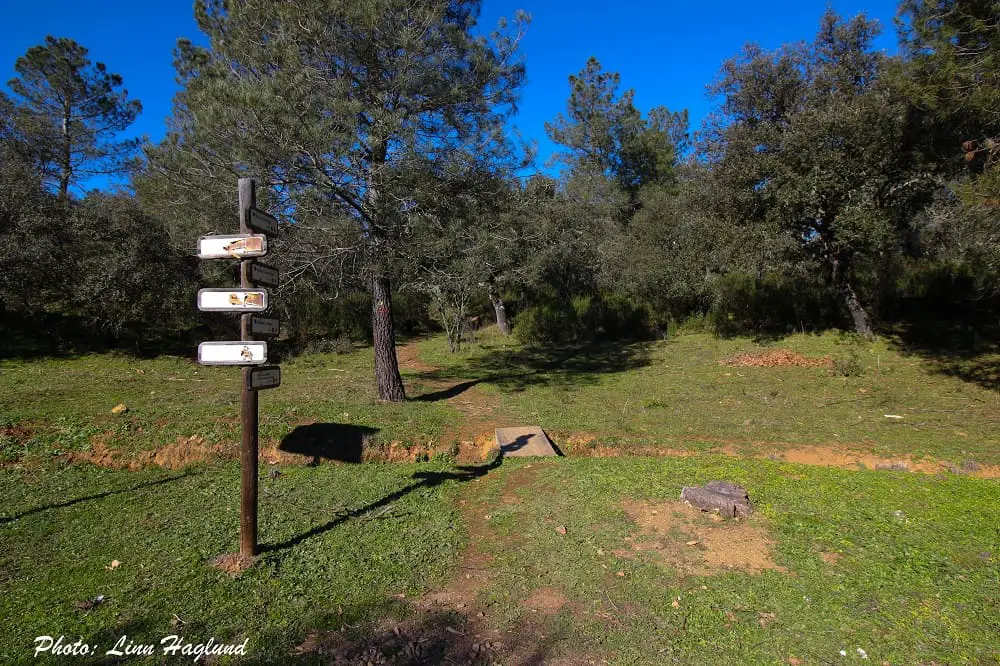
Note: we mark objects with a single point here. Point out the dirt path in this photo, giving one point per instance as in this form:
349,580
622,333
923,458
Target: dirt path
481,411
458,622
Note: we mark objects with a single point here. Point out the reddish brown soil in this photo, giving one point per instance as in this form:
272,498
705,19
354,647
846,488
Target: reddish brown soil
547,600
692,541
823,455
233,564
830,558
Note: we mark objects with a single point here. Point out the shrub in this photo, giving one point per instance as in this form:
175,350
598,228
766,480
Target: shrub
848,365
772,304
582,319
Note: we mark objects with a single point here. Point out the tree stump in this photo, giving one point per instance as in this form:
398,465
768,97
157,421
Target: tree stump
727,498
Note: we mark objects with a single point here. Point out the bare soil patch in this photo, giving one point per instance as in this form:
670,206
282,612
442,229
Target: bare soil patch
546,600
233,564
182,452
775,358
830,558
436,638
696,542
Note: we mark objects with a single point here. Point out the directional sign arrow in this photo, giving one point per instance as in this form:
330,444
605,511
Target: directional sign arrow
248,352
264,377
263,274
262,326
240,246
260,221
232,300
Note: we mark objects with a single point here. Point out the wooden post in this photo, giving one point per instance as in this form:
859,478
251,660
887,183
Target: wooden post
248,400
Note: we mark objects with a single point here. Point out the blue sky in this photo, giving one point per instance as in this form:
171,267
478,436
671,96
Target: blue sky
668,51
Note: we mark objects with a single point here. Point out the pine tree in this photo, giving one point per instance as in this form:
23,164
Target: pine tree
67,113
350,112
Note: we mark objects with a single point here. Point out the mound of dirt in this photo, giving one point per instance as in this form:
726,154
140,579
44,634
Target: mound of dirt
698,543
233,564
775,358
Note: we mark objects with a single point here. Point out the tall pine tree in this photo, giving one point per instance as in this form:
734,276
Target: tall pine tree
67,113
351,113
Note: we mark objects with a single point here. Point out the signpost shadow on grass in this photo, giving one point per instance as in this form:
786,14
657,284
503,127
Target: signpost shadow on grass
334,441
422,479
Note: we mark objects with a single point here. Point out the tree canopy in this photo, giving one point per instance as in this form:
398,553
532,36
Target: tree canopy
66,113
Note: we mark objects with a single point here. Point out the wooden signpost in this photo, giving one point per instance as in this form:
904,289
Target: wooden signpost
268,376
246,352
263,275
268,328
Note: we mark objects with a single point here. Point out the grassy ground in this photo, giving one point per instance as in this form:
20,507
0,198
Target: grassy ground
579,559
52,407
904,566
672,394
676,394
339,542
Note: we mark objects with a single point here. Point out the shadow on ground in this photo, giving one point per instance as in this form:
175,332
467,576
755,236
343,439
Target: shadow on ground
333,441
38,509
514,370
954,348
426,637
422,479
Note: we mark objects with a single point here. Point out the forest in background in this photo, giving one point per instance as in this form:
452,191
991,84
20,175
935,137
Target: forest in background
833,186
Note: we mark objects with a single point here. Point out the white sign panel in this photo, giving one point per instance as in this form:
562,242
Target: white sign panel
262,326
264,378
260,221
232,300
263,275
249,352
241,246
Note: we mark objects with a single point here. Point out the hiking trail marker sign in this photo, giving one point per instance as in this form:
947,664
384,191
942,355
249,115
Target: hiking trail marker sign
268,328
267,376
241,246
246,352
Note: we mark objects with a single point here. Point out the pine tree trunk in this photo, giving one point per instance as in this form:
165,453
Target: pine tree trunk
66,162
502,322
387,380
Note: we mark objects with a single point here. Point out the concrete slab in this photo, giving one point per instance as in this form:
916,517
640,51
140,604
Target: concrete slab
524,441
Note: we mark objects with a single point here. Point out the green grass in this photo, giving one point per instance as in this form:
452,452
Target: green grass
66,403
672,394
921,588
342,541
676,394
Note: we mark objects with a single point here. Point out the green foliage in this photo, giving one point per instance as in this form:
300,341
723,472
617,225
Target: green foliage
604,133
67,112
773,304
582,319
815,141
